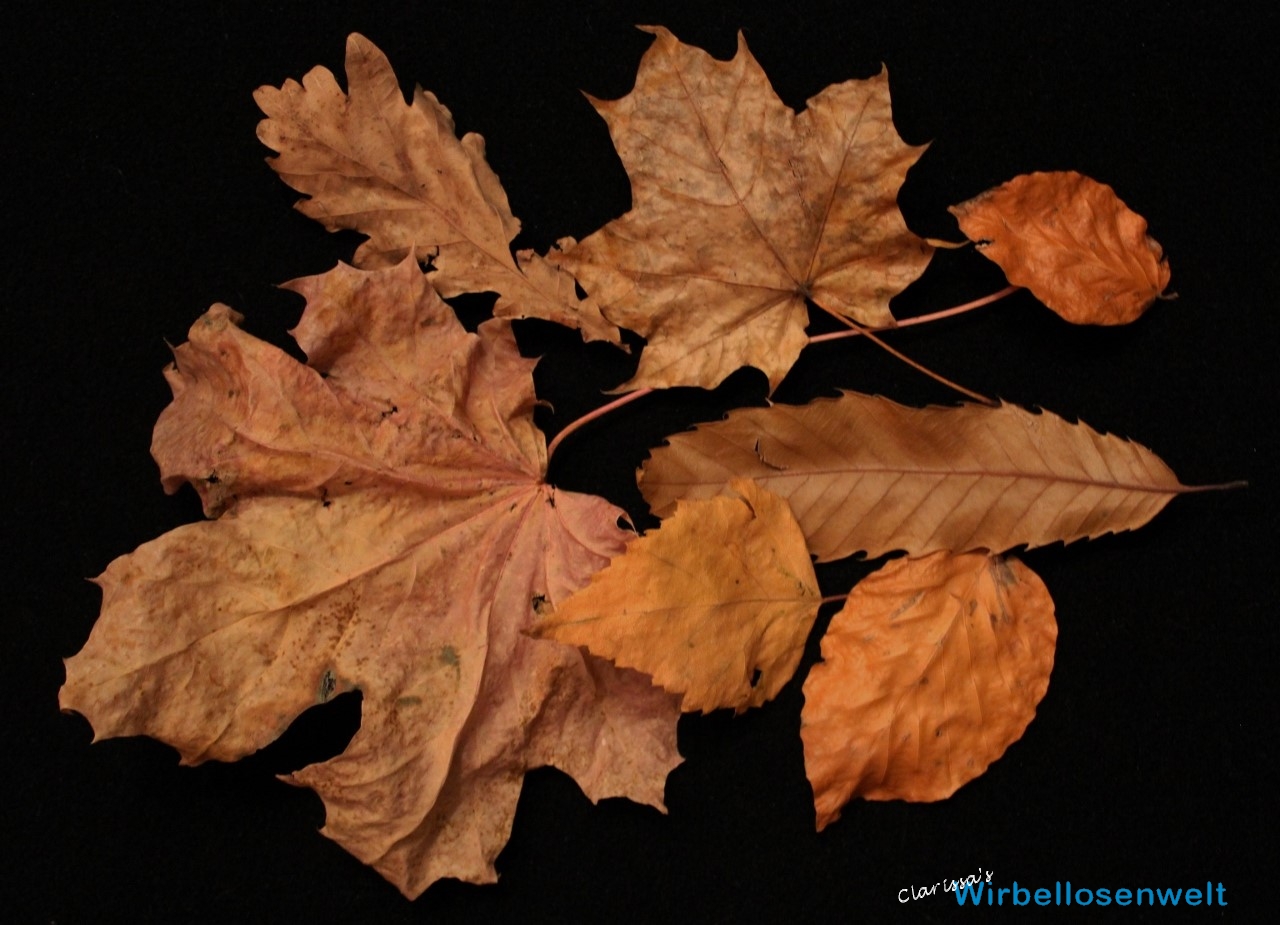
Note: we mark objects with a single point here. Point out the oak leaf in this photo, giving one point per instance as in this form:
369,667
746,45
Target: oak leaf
742,210
1072,242
715,604
385,527
398,173
930,671
863,473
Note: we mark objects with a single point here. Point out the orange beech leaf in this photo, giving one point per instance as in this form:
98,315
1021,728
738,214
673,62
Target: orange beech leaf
863,473
930,671
742,210
398,173
1072,242
384,527
715,604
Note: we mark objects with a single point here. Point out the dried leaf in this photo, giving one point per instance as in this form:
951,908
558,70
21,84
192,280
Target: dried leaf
1072,242
742,209
930,671
386,528
715,604
864,473
399,174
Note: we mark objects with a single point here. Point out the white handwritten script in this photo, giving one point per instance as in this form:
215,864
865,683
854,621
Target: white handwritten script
908,893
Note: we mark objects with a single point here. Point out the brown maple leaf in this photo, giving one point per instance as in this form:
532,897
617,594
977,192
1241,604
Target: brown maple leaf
715,604
930,671
398,173
742,210
385,527
1072,242
864,473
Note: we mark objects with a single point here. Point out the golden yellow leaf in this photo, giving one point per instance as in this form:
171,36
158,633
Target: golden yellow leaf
742,210
384,527
1072,242
398,173
863,473
930,671
715,604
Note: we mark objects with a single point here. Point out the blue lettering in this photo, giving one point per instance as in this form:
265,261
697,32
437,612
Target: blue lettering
972,892
1166,895
1151,900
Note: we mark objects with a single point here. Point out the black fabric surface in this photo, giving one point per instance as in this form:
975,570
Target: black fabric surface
136,195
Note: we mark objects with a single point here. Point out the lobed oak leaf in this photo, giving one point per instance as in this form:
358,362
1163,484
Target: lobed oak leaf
384,527
931,669
1072,242
742,210
715,604
398,173
864,473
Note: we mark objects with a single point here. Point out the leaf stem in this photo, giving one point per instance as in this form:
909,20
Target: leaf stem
923,319
592,415
854,331
920,367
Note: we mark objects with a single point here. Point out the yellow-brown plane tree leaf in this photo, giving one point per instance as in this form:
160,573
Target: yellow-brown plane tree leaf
863,473
742,209
715,604
1072,242
398,173
930,671
385,527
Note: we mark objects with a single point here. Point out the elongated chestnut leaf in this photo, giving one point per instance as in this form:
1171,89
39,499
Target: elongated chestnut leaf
863,473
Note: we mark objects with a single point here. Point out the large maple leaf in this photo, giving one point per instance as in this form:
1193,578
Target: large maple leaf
384,526
743,209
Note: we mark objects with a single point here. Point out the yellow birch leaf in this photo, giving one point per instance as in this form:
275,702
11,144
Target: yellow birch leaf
715,604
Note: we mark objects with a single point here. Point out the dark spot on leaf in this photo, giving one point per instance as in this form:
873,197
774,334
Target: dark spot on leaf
328,684
755,677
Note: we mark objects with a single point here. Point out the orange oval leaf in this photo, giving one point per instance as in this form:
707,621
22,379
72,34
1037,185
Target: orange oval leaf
1072,242
930,671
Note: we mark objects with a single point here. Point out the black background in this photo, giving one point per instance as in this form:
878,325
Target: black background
135,195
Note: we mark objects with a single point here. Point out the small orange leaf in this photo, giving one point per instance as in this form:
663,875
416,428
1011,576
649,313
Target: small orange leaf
1072,242
932,669
715,604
